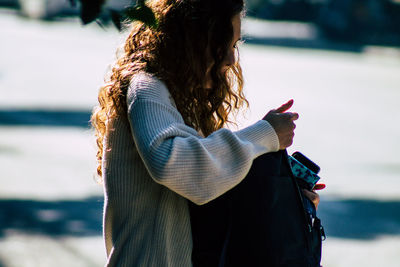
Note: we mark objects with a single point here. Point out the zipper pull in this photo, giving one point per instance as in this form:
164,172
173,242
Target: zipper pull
322,230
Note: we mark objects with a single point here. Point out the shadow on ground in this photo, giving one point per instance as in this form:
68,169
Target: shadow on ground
360,219
352,219
55,218
318,43
39,117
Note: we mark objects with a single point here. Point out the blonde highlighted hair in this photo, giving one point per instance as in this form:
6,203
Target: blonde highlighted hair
186,30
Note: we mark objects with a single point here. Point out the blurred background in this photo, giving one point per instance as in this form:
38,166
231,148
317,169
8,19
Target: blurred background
338,59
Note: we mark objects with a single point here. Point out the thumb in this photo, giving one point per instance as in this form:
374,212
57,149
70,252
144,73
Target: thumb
285,106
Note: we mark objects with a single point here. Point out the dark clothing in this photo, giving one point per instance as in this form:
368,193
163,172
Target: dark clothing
260,222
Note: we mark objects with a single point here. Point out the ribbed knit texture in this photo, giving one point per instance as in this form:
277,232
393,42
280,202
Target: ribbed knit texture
153,164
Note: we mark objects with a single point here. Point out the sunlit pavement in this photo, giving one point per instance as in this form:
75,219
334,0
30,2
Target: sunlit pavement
347,97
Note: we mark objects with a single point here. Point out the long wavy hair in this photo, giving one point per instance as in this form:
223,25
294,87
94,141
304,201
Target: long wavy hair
191,36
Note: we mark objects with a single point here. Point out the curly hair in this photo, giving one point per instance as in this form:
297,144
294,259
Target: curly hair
191,36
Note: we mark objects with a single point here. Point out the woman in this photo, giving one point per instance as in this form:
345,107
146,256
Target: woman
160,135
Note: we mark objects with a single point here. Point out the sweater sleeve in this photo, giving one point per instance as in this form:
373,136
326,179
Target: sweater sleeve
176,156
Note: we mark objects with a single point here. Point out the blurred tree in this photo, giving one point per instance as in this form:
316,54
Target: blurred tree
91,10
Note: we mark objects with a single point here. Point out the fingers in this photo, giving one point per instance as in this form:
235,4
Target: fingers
295,116
319,186
314,197
282,109
286,142
290,115
283,123
310,195
285,106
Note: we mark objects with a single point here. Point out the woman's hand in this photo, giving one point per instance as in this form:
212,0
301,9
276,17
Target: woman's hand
283,124
312,195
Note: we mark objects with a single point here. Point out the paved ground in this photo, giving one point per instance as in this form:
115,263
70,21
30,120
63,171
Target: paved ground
347,97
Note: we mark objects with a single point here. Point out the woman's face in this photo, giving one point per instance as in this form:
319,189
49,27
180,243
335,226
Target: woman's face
230,57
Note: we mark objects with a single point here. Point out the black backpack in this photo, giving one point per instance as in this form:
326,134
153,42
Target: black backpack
260,222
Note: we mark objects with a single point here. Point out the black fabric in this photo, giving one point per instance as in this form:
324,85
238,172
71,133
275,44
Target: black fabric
260,222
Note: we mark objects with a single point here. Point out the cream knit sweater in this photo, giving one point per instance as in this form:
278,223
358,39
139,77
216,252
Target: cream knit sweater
153,164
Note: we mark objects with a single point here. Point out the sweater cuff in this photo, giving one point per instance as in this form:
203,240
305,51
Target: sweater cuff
263,134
